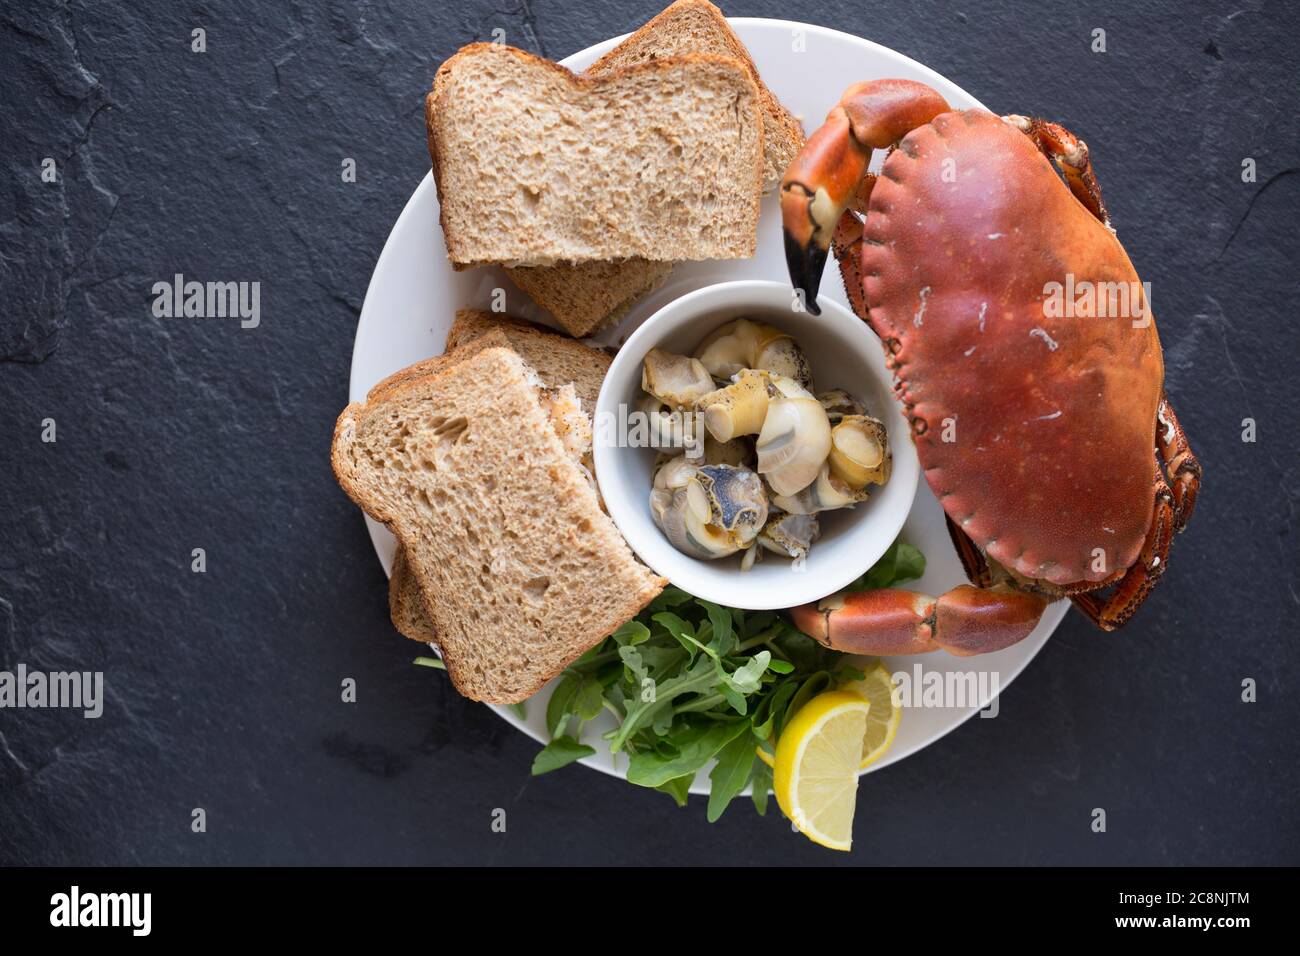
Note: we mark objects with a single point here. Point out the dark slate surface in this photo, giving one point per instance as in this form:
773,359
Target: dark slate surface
224,687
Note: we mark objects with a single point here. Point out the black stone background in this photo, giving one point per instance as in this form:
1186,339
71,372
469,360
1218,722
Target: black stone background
224,687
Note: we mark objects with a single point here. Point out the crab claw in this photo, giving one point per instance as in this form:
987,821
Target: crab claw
826,175
965,621
814,193
881,622
806,262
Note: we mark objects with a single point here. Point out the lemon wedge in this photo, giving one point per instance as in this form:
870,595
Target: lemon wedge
882,722
815,776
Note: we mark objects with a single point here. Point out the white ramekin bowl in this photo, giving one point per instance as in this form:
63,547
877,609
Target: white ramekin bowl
843,353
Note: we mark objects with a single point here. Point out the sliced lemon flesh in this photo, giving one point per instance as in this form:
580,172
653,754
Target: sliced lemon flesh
882,722
816,773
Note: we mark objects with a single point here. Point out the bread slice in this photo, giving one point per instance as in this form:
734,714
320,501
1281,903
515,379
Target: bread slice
406,603
558,361
586,297
499,524
697,26
556,358
535,165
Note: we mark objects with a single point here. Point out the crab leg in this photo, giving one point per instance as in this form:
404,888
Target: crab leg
971,557
1174,504
825,177
966,620
1114,611
847,245
1071,157
1182,467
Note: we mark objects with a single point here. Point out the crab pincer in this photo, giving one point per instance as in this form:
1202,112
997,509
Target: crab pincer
825,178
964,621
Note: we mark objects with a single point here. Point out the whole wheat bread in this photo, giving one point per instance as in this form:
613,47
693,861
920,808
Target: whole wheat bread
406,603
500,526
535,165
556,360
585,297
697,26
588,296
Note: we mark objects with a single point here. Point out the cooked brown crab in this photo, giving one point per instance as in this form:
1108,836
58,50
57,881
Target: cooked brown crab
1049,441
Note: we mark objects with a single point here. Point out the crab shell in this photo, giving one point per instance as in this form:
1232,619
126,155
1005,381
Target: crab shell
1050,421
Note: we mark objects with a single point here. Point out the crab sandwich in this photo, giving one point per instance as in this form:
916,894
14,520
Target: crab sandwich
475,468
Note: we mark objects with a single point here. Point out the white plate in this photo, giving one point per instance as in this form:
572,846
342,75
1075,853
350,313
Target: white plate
414,294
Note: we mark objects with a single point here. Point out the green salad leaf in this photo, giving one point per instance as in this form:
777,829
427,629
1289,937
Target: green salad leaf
560,752
683,753
678,789
690,682
901,562
730,774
